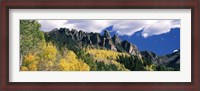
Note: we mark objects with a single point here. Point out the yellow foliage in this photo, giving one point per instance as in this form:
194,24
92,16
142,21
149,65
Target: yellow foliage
70,56
29,58
50,63
32,67
48,57
63,65
149,68
104,54
71,63
108,57
23,68
29,63
119,66
49,52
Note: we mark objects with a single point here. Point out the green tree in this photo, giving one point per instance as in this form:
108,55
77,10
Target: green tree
132,62
30,36
87,59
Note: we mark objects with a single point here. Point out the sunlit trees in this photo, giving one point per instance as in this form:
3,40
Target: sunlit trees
30,63
104,54
106,59
70,63
47,57
24,68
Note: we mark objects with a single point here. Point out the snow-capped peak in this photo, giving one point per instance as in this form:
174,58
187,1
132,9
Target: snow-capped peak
175,51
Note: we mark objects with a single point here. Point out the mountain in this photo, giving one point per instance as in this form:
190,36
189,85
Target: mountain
170,60
151,56
76,40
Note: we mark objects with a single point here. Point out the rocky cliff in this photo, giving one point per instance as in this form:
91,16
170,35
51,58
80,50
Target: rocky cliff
151,56
74,39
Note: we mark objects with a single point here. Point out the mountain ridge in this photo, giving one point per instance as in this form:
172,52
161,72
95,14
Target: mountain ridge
82,39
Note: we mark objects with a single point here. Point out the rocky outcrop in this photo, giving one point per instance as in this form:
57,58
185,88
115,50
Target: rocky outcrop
109,45
86,40
116,39
151,56
107,34
68,37
95,39
130,48
81,35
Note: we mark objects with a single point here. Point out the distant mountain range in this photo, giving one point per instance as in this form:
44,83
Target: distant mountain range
76,40
170,60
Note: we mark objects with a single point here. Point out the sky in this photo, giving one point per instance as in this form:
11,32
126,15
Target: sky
159,36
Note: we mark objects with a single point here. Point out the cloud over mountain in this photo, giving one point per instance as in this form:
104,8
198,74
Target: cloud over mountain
121,27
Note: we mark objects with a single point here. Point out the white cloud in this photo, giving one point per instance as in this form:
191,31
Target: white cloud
160,27
145,35
122,27
48,25
128,27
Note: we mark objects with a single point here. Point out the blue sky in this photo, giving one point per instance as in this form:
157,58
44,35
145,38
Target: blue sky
159,36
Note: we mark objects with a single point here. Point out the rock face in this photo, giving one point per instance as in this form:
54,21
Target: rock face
151,56
95,39
130,48
109,44
107,34
116,39
86,40
77,39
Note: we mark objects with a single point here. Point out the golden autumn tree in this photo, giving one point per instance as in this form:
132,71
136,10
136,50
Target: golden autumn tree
48,57
30,63
106,59
99,54
70,63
